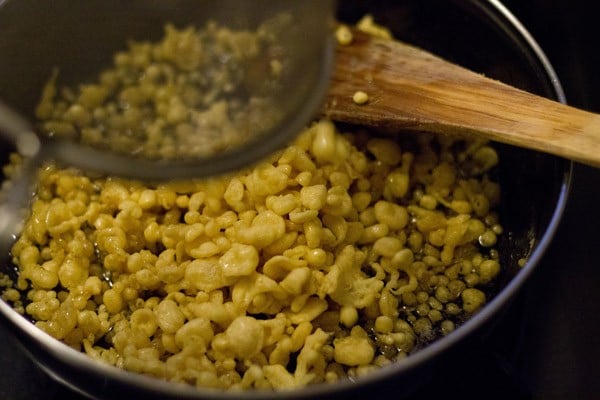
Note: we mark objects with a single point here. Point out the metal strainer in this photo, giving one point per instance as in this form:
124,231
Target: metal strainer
79,39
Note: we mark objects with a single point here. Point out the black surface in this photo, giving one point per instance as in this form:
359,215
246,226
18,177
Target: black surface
547,346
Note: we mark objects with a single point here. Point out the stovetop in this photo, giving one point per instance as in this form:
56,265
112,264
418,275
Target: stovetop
547,344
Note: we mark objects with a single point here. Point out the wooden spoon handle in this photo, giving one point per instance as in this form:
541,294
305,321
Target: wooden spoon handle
409,88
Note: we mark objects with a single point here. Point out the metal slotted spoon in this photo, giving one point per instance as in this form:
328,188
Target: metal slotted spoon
75,37
79,39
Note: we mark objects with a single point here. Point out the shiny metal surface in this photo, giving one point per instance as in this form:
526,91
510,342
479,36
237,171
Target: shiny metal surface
532,219
78,38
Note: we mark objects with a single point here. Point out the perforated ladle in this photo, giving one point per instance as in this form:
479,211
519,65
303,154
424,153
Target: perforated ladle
80,37
74,35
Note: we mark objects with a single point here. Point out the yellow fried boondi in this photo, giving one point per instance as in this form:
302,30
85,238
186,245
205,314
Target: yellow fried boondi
337,255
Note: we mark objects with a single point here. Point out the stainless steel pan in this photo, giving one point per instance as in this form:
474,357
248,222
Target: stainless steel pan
479,34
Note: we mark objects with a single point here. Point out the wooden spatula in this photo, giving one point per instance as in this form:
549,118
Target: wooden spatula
411,89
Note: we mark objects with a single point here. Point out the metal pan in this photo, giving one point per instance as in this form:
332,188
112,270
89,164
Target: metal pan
479,34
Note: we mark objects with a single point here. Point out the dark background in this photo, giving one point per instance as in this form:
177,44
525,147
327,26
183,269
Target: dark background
548,344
